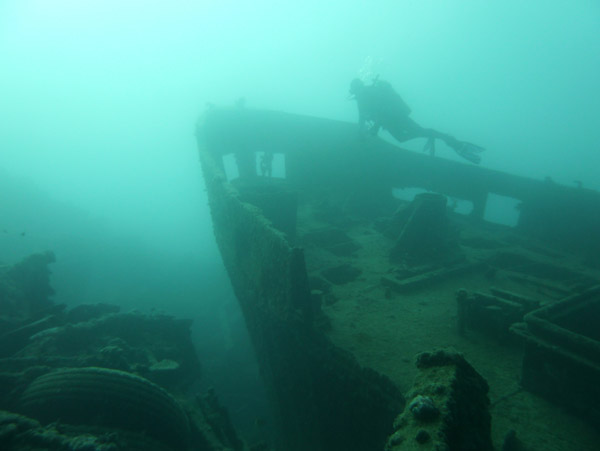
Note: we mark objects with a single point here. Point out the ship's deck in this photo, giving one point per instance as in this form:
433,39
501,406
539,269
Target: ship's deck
385,328
310,256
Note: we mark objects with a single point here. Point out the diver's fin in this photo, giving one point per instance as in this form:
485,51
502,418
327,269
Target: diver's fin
469,151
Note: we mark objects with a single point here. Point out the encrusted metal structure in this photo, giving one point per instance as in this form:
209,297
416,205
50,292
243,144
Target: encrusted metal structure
341,283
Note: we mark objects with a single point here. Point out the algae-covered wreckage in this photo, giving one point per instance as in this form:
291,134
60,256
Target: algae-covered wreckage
343,285
92,378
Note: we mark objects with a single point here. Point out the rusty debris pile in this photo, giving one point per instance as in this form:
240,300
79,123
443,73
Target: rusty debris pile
92,378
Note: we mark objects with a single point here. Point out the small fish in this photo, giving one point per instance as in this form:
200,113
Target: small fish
22,234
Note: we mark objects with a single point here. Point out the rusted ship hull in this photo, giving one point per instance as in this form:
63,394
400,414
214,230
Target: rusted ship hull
340,288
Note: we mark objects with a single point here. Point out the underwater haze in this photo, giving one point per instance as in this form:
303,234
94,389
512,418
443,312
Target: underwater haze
99,101
99,98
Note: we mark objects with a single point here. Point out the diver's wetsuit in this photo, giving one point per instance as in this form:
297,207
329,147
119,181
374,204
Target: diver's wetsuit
381,106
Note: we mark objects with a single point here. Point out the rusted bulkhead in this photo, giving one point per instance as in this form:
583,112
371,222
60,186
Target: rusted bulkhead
322,398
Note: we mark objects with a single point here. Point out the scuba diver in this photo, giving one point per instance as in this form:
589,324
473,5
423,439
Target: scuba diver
379,106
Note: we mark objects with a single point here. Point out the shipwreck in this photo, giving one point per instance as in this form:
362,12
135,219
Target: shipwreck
388,323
